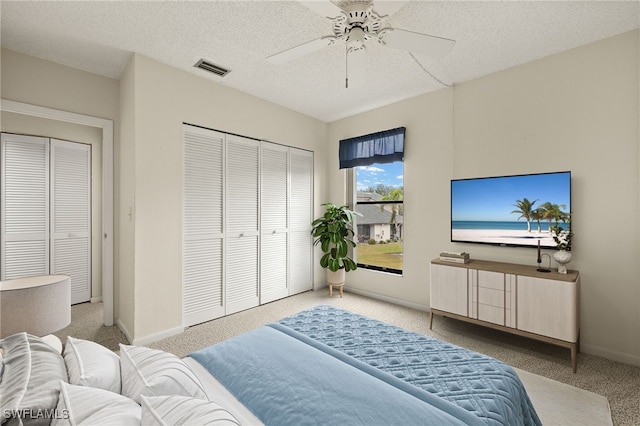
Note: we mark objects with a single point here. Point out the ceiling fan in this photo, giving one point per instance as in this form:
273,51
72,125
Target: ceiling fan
356,22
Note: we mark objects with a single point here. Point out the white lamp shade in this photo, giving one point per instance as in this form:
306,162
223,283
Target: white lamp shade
39,305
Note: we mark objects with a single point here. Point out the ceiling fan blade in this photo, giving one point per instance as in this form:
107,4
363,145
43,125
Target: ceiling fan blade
356,68
323,8
416,42
387,8
300,50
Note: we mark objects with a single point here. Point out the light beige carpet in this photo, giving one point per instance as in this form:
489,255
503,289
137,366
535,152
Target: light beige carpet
597,385
563,405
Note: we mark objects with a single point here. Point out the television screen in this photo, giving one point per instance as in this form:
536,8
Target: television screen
510,210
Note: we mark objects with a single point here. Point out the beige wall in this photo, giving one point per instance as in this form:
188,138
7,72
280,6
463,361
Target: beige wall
35,81
577,111
427,171
164,98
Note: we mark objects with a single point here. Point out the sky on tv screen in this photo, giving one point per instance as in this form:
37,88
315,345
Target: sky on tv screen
493,199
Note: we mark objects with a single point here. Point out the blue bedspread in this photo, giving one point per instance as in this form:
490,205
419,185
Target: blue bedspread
332,367
285,378
482,385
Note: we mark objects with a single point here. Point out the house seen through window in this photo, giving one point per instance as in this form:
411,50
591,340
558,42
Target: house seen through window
380,229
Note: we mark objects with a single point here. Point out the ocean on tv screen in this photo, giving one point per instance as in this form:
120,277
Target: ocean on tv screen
502,232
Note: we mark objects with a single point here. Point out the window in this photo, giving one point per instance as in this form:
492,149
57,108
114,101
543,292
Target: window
379,199
376,161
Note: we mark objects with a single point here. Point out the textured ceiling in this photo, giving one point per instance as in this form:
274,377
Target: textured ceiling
100,37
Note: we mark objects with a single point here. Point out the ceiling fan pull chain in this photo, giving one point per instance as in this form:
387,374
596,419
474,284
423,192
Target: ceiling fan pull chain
346,67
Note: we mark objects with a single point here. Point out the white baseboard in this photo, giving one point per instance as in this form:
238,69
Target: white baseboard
96,299
609,354
145,340
384,298
123,329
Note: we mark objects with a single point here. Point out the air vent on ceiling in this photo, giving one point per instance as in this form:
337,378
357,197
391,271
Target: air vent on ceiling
213,68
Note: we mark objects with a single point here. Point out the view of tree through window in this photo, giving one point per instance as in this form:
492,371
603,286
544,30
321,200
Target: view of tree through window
380,198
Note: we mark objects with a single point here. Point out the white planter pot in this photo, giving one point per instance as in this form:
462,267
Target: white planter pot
562,257
337,277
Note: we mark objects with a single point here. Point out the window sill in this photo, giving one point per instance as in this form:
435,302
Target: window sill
380,269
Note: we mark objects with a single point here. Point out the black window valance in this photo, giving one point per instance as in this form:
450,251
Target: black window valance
381,147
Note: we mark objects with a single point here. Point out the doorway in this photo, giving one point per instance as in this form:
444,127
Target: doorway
105,127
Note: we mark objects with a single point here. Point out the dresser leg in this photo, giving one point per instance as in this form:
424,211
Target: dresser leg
574,356
430,320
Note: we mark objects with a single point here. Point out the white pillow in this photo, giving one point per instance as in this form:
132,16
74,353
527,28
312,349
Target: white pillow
91,364
151,372
82,405
183,410
31,377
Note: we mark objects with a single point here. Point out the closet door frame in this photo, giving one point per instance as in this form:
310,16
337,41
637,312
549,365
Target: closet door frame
60,177
106,126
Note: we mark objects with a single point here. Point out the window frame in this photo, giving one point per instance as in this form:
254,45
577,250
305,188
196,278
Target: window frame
353,197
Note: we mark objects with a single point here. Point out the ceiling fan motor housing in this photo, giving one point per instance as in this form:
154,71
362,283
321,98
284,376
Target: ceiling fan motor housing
357,23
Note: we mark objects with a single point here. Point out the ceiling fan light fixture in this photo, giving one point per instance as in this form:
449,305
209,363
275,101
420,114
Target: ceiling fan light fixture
355,39
355,22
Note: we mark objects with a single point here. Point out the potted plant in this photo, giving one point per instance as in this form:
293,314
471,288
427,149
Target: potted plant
562,238
334,232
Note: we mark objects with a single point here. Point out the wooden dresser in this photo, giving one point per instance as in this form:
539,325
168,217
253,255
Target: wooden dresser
510,297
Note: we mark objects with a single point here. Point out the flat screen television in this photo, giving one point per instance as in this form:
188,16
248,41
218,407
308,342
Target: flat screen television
510,211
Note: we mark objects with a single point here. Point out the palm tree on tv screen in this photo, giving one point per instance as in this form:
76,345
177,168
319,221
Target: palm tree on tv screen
538,215
553,213
525,209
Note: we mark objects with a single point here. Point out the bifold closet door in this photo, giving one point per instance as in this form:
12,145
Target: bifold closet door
241,216
274,197
203,226
70,215
24,179
247,213
46,210
300,218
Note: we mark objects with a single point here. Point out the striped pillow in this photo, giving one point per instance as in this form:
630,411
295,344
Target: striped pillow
182,410
151,372
91,364
83,405
32,371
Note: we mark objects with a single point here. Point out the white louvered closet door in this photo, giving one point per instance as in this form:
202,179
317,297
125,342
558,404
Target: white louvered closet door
70,215
24,178
203,236
241,214
300,218
274,197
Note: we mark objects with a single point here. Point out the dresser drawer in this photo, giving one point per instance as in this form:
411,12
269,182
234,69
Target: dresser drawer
491,314
489,296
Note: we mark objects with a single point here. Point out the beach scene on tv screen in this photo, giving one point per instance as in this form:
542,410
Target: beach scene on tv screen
510,210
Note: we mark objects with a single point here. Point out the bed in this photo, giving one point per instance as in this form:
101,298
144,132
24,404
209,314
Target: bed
320,366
